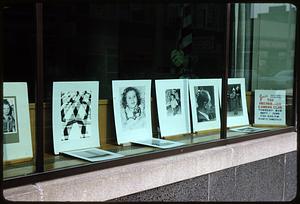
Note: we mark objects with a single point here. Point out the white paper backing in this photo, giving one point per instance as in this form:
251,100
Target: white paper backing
22,149
173,123
133,128
75,140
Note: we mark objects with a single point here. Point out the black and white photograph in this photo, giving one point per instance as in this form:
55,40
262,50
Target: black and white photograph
172,99
173,102
205,104
237,112
234,100
204,96
132,110
17,140
9,115
132,107
75,115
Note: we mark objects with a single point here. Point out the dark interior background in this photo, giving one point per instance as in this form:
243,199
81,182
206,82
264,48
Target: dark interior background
109,41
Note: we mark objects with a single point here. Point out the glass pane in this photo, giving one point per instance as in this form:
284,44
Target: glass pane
104,42
264,50
18,90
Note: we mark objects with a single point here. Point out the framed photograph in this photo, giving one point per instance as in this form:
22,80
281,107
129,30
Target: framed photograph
270,107
132,110
172,99
17,142
205,104
159,143
237,113
75,115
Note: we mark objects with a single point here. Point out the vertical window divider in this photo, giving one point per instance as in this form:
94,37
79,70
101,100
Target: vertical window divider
1,89
39,89
296,89
225,76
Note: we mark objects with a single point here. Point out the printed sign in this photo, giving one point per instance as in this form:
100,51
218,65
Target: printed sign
270,107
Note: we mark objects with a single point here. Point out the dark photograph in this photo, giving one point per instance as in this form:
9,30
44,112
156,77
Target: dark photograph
173,102
9,116
133,107
76,110
204,96
234,100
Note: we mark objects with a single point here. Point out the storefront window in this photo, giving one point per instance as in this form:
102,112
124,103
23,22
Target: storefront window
131,80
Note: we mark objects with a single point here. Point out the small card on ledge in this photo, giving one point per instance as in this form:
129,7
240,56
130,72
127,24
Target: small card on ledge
248,129
92,154
160,143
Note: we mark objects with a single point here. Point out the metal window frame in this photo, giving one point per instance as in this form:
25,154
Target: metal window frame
42,175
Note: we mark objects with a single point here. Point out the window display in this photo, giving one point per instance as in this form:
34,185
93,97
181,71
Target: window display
173,106
125,47
17,142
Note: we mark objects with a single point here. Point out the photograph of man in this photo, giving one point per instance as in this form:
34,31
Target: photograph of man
205,106
9,122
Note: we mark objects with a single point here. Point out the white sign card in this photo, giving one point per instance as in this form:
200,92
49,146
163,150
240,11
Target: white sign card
132,110
205,104
17,142
237,113
75,115
172,99
270,107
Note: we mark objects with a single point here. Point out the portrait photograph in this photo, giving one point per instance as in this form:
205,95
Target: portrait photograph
173,102
75,115
132,109
205,104
17,141
9,115
237,113
204,96
234,100
172,98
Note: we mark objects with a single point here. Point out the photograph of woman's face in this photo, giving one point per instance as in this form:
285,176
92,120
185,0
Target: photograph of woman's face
131,99
6,109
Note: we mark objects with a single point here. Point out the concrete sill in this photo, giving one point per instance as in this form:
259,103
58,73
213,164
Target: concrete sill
132,178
